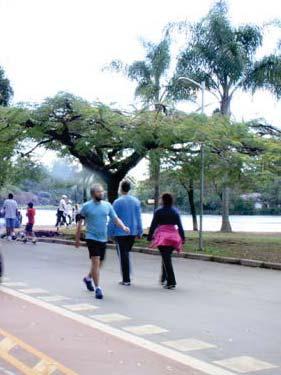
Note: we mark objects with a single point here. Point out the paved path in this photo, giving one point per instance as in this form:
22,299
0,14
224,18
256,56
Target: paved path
221,320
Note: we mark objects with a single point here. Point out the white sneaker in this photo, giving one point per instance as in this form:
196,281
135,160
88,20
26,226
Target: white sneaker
9,238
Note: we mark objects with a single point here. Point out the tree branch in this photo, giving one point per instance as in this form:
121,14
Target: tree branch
24,154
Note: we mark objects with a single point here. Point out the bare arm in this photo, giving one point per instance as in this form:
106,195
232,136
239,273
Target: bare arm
78,233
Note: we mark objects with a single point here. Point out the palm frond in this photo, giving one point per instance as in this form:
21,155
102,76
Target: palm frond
265,74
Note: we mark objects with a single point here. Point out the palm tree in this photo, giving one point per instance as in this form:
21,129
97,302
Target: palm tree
150,75
224,57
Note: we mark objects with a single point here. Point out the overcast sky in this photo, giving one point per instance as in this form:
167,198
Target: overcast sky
48,46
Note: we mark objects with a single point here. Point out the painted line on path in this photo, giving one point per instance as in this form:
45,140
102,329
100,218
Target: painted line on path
187,360
45,364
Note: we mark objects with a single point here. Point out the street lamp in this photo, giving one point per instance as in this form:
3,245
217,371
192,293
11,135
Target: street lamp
202,87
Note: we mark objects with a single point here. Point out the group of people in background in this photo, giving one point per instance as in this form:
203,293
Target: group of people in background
13,219
66,212
122,222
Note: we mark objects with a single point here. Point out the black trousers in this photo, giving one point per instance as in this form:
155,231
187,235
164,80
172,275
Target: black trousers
167,274
124,246
61,219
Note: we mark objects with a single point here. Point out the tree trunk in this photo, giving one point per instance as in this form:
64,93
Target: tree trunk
155,168
156,179
190,193
112,188
226,226
225,105
84,191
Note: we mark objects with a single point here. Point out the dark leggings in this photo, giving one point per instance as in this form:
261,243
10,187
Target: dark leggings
167,274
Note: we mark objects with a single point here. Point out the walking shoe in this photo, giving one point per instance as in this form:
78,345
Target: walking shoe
125,283
24,240
99,294
89,284
169,287
34,242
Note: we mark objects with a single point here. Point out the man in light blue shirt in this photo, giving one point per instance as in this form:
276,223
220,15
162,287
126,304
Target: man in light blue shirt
96,214
128,208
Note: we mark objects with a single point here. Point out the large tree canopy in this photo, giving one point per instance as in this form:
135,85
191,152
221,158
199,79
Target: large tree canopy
111,143
105,140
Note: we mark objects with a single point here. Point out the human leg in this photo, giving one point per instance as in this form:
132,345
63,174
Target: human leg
97,252
166,253
124,246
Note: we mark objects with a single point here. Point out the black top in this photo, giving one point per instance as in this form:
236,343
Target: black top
166,216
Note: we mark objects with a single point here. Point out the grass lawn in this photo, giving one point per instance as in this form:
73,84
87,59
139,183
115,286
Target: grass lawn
259,246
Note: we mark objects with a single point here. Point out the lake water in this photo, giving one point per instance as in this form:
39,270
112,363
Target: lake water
211,222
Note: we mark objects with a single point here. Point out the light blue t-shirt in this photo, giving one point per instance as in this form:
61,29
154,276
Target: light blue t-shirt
97,215
128,209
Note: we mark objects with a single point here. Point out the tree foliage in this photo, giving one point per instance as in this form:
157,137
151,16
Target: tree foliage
6,91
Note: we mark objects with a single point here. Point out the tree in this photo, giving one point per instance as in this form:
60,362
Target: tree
10,135
224,57
149,74
184,169
106,141
6,91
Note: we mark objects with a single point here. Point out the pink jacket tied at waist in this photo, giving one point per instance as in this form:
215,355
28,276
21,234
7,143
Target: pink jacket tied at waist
167,235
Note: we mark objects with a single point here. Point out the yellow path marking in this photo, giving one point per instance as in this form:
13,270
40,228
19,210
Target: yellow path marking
45,368
46,365
7,344
16,363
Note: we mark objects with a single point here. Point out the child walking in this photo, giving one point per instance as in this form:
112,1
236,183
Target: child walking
29,233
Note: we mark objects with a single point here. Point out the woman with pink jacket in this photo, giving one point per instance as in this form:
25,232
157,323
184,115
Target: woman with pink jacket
167,234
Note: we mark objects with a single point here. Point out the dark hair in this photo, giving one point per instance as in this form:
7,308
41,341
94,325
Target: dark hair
167,199
30,205
125,186
10,196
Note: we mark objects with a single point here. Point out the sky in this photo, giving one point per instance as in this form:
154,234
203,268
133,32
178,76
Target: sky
48,46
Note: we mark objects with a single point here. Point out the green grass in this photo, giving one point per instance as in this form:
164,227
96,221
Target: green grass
259,246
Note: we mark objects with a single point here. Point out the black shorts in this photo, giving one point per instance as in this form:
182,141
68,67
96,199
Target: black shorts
96,249
29,228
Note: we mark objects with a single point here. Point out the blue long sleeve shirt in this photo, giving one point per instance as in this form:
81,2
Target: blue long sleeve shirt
128,209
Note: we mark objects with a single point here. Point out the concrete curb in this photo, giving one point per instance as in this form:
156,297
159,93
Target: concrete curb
205,257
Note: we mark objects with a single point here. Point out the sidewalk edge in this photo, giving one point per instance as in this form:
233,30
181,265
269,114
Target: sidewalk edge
204,257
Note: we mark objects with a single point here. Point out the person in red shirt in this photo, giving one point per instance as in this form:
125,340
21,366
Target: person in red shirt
29,233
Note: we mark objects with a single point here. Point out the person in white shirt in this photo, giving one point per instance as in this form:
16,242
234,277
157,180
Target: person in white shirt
69,212
10,207
62,212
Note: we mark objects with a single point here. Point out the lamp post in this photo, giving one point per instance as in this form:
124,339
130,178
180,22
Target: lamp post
202,87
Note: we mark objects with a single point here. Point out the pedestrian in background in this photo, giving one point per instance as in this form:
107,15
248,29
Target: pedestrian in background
29,233
76,211
167,234
128,209
10,208
69,212
61,212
